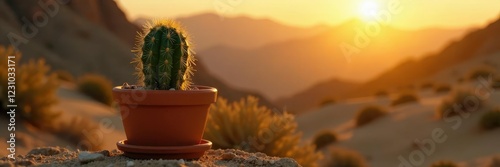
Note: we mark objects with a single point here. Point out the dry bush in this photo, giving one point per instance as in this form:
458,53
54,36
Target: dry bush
495,161
481,72
35,90
97,87
324,139
444,163
495,84
381,93
345,158
442,88
490,120
427,85
81,133
369,114
327,101
405,98
64,76
247,126
465,101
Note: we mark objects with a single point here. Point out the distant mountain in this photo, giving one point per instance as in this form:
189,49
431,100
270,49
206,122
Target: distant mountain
209,30
204,77
282,69
88,36
313,96
480,44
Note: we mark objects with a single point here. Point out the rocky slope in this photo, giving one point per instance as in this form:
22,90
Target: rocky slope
55,156
85,36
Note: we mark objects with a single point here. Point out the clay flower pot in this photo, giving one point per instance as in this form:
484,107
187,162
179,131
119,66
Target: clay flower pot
164,117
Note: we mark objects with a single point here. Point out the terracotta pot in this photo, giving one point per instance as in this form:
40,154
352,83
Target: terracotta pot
164,117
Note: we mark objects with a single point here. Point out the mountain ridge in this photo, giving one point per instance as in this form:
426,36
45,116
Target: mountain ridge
317,58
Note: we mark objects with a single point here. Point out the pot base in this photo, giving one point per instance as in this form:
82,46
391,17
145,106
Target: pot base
164,152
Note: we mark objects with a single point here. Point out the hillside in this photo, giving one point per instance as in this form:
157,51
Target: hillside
479,44
315,95
203,76
209,30
87,37
68,40
383,141
301,63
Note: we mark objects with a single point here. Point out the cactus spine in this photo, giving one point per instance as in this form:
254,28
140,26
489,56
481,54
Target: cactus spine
163,57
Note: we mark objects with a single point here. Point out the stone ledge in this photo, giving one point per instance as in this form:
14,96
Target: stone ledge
55,156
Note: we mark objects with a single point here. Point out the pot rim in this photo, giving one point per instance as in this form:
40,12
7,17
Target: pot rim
201,88
203,96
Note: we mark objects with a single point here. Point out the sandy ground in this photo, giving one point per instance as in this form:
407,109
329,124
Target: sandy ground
54,157
71,104
383,142
110,124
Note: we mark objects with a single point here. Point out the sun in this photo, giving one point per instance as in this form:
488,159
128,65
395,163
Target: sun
368,9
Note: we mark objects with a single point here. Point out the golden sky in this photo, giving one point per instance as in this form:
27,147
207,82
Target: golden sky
414,14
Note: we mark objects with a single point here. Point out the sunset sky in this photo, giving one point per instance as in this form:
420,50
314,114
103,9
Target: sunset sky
414,14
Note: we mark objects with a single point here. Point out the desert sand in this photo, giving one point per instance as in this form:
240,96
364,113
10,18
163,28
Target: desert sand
383,141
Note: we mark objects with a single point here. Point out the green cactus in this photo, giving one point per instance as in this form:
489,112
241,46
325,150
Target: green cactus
163,57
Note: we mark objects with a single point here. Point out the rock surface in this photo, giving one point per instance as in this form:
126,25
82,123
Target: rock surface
55,156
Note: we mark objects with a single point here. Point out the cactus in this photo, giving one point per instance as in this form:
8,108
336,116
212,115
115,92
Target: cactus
163,57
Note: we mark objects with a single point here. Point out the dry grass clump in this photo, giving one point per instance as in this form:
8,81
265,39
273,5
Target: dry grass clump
345,158
35,89
427,85
490,120
444,163
327,101
247,126
495,84
64,76
81,132
97,87
495,161
442,88
460,101
481,72
324,139
381,93
369,114
405,98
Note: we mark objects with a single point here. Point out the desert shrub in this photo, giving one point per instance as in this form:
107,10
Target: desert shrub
345,158
96,87
35,90
247,126
495,161
491,119
405,98
427,85
460,80
64,76
381,93
442,88
481,72
369,114
464,100
327,101
444,163
324,139
495,84
81,133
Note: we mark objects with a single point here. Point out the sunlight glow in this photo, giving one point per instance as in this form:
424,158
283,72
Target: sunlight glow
368,9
